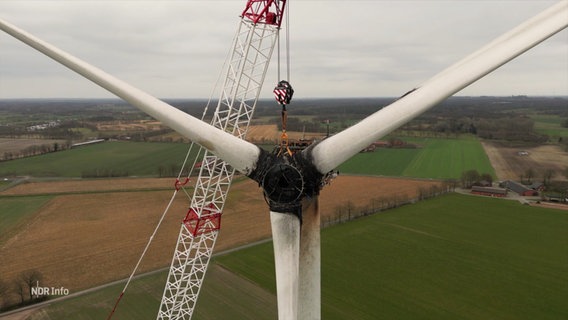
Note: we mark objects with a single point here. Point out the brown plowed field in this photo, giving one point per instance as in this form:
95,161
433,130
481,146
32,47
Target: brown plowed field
81,240
510,165
270,132
17,145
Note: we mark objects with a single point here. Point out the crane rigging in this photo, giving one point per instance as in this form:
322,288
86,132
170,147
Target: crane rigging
248,60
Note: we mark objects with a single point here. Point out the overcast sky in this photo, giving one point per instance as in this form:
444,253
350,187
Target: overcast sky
175,49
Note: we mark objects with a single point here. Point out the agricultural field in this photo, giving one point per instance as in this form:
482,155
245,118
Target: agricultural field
117,158
509,163
440,261
108,222
226,296
434,158
84,186
265,133
442,258
17,145
550,125
15,211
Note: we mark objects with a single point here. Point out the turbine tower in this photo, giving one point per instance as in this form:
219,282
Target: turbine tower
291,182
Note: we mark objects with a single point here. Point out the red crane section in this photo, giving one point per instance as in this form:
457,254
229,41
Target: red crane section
265,11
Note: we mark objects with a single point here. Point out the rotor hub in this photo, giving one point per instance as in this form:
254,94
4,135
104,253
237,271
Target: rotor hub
283,184
286,180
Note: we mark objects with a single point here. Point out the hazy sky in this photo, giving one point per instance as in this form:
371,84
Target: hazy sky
175,49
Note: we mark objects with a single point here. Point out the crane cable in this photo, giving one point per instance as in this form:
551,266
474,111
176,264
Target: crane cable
288,42
284,91
178,185
142,256
286,45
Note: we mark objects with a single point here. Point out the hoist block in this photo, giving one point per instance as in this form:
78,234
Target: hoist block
283,92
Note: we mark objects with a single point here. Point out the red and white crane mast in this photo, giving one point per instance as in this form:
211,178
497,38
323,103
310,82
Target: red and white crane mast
246,68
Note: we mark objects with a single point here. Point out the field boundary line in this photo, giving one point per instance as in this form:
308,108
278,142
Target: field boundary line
67,193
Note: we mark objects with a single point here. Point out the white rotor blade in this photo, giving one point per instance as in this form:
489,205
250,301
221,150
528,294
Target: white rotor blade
309,296
238,153
333,151
286,242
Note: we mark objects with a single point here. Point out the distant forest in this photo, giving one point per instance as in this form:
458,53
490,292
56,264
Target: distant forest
499,118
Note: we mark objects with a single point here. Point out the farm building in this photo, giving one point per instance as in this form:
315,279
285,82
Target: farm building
489,191
80,144
392,143
521,189
538,186
556,197
377,144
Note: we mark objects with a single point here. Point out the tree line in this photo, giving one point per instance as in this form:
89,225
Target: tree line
349,210
35,150
18,292
470,178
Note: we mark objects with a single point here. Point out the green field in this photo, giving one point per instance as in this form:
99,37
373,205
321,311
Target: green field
454,257
223,296
15,211
141,301
436,158
550,125
133,158
451,257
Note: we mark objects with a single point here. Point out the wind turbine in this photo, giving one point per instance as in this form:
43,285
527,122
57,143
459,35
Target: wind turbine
291,183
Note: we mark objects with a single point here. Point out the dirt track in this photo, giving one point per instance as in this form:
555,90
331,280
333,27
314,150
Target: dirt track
94,185
79,241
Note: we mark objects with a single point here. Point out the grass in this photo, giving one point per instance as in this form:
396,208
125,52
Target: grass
452,257
550,125
141,301
134,158
436,159
221,297
4,183
15,211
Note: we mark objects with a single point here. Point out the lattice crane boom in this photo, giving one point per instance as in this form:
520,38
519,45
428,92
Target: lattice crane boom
247,65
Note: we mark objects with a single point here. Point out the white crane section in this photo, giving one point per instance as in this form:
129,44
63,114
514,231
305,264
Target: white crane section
247,65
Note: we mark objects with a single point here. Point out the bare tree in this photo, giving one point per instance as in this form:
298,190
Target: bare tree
469,177
30,278
422,193
4,293
529,173
20,289
350,208
487,177
338,214
547,176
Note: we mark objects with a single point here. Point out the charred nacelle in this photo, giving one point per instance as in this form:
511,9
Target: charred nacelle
286,180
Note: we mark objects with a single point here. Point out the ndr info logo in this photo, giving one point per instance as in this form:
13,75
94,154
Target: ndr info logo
49,291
